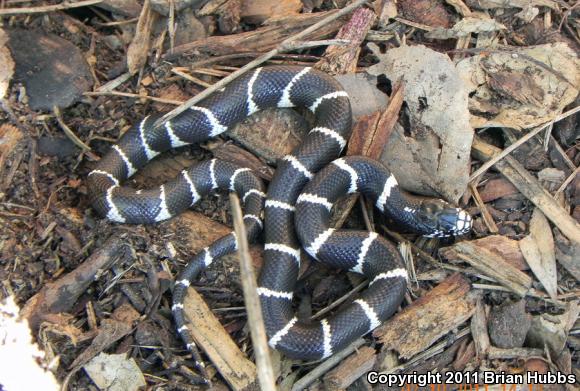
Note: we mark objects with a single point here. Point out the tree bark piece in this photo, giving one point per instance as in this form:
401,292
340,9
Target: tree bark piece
258,11
62,294
479,330
491,265
262,39
343,59
351,369
441,310
209,334
530,188
505,248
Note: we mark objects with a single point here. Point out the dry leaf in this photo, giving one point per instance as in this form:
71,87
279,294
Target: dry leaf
365,97
465,27
538,249
115,372
520,88
435,158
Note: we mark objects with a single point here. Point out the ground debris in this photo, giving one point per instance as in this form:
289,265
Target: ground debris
433,315
503,298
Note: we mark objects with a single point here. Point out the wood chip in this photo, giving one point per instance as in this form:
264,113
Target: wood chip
257,11
138,50
209,335
430,317
479,330
505,248
490,265
343,59
350,369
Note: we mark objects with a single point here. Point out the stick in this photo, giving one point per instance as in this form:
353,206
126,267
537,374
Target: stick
253,308
47,8
136,96
68,131
284,45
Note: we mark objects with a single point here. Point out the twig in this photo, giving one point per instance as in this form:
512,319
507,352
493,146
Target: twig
487,217
250,287
136,96
522,140
112,84
283,46
191,78
69,133
419,26
47,8
339,301
235,56
313,44
325,366
116,23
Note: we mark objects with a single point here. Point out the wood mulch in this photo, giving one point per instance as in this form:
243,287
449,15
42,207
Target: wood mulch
503,299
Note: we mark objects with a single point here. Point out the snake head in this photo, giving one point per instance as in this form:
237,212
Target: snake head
441,219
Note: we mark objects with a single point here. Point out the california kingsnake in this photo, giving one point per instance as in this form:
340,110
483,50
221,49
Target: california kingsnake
363,252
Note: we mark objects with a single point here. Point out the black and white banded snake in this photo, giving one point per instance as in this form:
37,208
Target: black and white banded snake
300,195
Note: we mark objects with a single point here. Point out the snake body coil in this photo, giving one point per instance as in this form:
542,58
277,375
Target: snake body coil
296,192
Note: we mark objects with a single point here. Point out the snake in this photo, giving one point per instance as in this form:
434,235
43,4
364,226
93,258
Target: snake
296,207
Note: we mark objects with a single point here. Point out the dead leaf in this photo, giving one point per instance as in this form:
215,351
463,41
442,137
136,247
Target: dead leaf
465,27
115,372
568,254
520,88
110,331
538,249
429,12
432,157
365,97
517,86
